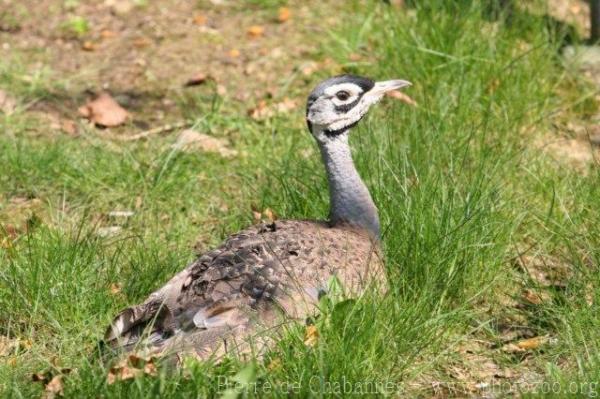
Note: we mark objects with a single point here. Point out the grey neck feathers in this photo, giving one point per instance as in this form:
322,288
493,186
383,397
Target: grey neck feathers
350,200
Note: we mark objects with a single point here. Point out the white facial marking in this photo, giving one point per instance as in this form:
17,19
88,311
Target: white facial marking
353,90
337,102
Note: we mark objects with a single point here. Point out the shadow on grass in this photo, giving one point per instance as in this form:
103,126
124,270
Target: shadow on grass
562,33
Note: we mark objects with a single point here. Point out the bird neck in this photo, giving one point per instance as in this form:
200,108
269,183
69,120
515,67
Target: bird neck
350,201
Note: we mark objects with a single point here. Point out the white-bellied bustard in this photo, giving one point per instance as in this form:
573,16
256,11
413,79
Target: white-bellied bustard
272,271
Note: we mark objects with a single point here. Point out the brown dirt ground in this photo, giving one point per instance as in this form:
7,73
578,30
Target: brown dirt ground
143,52
575,143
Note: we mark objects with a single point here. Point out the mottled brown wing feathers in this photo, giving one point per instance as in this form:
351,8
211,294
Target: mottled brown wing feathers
246,280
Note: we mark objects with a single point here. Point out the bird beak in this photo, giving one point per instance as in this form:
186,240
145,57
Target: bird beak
385,86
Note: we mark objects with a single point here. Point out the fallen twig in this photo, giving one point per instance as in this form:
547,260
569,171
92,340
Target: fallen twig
156,130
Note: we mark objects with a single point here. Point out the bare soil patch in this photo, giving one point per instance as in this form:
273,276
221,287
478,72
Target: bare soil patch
143,53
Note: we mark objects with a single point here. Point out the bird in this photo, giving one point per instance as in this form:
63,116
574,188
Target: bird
271,273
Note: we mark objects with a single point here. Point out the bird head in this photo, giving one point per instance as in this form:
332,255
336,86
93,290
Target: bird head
339,103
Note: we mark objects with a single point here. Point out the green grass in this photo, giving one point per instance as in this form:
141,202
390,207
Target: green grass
461,188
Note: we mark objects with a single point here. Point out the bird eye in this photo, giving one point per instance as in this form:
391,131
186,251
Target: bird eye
342,95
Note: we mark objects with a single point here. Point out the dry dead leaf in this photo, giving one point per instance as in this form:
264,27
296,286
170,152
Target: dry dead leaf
234,53
311,336
493,85
576,152
54,387
88,46
255,31
512,348
270,215
252,69
120,7
137,361
115,288
545,270
200,19
21,214
197,79
474,368
6,243
131,367
150,369
536,297
11,231
266,215
221,90
69,127
309,68
25,344
286,105
190,140
107,34
41,377
525,345
141,42
53,384
121,374
398,95
532,343
274,364
104,111
8,345
7,103
262,111
283,14
575,8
